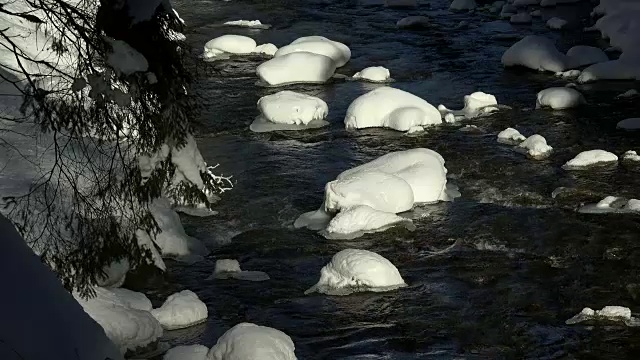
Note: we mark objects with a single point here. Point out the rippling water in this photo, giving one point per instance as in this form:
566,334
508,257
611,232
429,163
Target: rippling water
523,263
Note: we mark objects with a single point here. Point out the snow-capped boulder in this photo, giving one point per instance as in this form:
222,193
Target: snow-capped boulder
569,74
267,49
358,220
247,341
374,74
392,108
510,136
612,204
181,310
559,98
413,22
353,270
288,110
520,18
337,51
631,124
537,53
133,299
254,24
535,146
400,3
230,269
556,23
582,55
229,44
628,94
296,67
630,156
590,159
462,5
187,352
610,70
610,313
476,104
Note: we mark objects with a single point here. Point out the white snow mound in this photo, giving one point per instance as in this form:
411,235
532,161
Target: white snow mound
230,269
133,299
181,310
297,67
229,44
476,104
556,23
582,55
536,147
288,110
373,73
267,49
537,53
337,51
559,98
358,220
611,313
610,70
353,270
589,159
612,204
510,136
569,74
187,352
629,124
247,341
463,5
247,23
392,108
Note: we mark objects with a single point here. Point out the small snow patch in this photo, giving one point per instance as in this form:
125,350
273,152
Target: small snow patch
556,23
569,74
230,269
187,352
590,159
612,204
510,136
631,156
559,98
610,313
254,24
267,49
535,146
181,310
229,44
125,59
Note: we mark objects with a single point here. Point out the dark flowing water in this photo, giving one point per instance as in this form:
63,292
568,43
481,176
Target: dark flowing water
524,262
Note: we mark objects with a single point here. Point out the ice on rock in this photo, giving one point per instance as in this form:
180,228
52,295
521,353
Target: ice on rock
463,5
510,136
569,74
337,51
125,59
629,124
521,18
230,269
392,108
537,53
297,67
556,23
288,110
412,22
229,44
247,341
476,104
187,352
374,73
353,270
630,156
590,159
559,98
628,94
358,220
582,55
611,313
267,49
536,147
181,310
400,3
133,299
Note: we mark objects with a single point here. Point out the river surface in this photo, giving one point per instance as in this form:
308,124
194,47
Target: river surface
523,261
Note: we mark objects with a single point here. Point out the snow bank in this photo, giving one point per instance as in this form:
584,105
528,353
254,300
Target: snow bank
476,104
288,110
374,73
559,98
400,3
462,5
582,55
229,44
392,108
230,269
612,204
247,341
589,159
181,310
297,67
510,136
556,23
172,239
358,220
412,22
537,53
629,124
187,352
128,328
521,18
337,51
125,59
610,313
353,270
536,147
630,156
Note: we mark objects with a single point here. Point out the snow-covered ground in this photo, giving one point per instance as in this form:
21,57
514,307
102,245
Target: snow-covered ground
374,74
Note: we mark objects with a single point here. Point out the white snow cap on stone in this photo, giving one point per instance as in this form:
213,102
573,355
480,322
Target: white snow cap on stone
612,313
476,104
230,269
133,299
392,108
631,156
521,18
569,74
288,110
510,136
353,270
537,53
373,73
413,22
536,147
229,44
591,158
556,23
181,310
125,59
267,49
401,3
582,55
355,221
559,98
297,67
629,124
610,70
187,352
462,5
247,341
114,274
612,204
337,51
628,94
244,23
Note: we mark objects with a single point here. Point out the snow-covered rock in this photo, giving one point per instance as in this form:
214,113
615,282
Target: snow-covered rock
610,313
181,310
255,24
610,70
510,136
476,104
568,74
556,23
230,269
392,108
353,270
247,341
297,67
172,239
288,110
373,73
521,18
229,44
411,22
267,49
630,156
358,220
133,299
400,3
536,147
612,204
629,124
590,159
582,55
537,53
187,352
114,274
337,51
559,98
628,94
462,5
